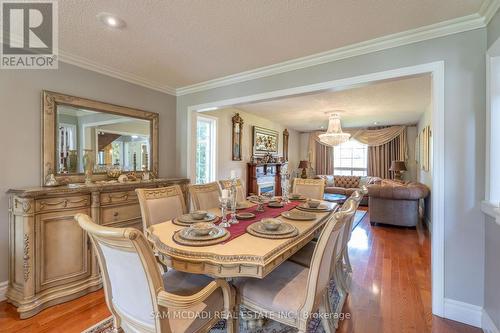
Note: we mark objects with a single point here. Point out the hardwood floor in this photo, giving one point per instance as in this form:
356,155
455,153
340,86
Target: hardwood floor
390,291
391,286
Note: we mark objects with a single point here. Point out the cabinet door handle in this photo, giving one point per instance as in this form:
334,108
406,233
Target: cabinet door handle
123,196
64,202
115,214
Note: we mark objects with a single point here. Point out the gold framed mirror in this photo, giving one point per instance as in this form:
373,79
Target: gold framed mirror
76,130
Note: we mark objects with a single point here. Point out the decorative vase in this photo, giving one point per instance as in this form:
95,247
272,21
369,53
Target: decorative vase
88,166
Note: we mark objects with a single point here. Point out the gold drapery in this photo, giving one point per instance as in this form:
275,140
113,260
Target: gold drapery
323,159
388,143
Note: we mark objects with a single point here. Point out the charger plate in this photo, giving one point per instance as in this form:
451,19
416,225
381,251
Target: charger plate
187,218
176,221
298,215
284,231
323,207
186,237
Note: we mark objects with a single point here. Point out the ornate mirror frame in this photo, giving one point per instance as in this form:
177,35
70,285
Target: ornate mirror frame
50,100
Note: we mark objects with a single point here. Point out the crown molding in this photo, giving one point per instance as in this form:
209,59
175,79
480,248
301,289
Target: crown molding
488,10
461,24
109,71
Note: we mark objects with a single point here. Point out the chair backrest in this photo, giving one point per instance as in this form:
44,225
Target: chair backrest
130,275
240,191
205,196
323,259
310,188
349,206
160,204
351,203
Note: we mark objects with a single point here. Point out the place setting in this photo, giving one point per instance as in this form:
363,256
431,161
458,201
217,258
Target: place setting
312,205
201,234
272,228
197,216
297,197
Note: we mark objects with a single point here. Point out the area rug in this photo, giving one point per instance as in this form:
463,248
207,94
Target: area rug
270,326
358,217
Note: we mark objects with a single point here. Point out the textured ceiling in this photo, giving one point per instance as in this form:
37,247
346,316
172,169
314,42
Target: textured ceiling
392,102
181,42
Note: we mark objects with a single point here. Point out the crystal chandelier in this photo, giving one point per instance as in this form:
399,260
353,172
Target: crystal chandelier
334,135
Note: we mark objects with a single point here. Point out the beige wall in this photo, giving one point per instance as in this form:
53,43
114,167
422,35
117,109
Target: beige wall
224,130
20,110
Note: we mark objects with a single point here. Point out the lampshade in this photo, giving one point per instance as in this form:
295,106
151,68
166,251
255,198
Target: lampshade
303,164
398,166
334,135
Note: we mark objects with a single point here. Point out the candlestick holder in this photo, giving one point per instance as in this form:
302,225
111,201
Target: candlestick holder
223,206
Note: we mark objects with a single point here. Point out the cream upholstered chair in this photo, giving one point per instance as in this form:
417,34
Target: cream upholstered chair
140,298
343,270
310,188
160,204
293,289
204,196
240,191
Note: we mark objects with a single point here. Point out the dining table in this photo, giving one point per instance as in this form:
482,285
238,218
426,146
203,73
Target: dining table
243,256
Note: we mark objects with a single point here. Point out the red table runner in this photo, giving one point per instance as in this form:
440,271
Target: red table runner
239,229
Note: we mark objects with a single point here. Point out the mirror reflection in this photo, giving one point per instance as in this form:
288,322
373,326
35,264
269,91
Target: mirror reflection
111,141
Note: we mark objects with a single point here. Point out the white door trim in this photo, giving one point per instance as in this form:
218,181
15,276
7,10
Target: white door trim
436,69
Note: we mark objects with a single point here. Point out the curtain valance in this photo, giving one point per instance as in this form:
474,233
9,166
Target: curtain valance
371,138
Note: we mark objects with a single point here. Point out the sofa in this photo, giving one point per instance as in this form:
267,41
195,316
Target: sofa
346,185
396,203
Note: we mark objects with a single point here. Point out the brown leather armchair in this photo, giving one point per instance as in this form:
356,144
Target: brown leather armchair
396,203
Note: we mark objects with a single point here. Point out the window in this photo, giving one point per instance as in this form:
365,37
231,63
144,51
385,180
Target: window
350,159
205,149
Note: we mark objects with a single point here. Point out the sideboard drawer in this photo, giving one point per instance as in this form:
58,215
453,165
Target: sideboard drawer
111,198
110,215
51,204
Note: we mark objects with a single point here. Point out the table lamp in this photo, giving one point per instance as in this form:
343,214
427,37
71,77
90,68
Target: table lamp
303,165
398,167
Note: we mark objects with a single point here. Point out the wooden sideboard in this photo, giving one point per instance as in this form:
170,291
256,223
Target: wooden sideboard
51,259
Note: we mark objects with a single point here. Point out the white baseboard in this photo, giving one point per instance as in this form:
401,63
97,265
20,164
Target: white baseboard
463,312
3,290
488,325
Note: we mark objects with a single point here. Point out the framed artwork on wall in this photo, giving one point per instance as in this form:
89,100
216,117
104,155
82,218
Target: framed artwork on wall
285,144
236,137
265,141
425,148
417,149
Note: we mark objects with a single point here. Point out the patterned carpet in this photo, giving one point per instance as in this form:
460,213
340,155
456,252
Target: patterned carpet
270,326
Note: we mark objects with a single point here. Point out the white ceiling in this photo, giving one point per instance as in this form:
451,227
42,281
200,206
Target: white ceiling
392,102
175,43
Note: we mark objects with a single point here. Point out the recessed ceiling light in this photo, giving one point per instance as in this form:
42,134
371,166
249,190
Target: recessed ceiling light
111,20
